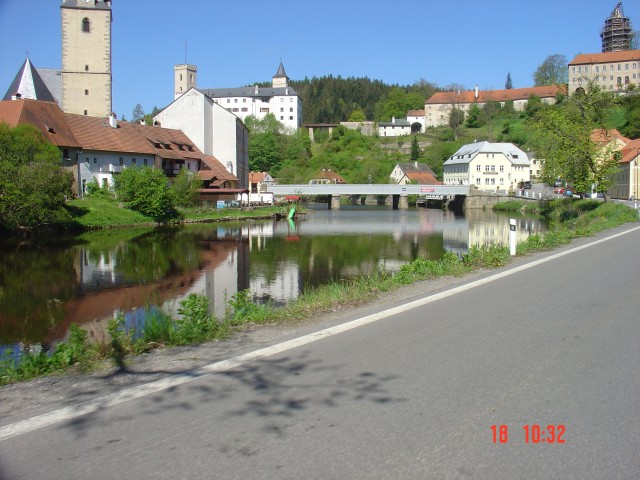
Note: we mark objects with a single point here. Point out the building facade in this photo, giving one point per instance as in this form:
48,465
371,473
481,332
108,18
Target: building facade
488,166
395,128
613,71
280,99
213,129
86,57
439,106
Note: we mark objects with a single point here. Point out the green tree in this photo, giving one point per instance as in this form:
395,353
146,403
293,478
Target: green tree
490,111
268,124
264,152
456,119
415,149
397,103
553,71
138,113
475,119
146,190
562,137
33,185
631,105
508,84
185,188
357,115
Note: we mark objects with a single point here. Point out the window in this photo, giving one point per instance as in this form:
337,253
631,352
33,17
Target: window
493,168
626,66
487,168
502,167
86,92
85,112
264,110
291,109
282,109
281,117
121,160
291,118
478,169
95,160
145,161
597,68
244,100
86,25
86,68
228,100
477,181
133,161
244,109
235,100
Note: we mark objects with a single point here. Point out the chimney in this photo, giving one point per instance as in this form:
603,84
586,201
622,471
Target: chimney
255,89
286,91
476,93
16,96
142,121
393,119
113,121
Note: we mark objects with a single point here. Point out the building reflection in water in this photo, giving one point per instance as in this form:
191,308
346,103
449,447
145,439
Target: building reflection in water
161,269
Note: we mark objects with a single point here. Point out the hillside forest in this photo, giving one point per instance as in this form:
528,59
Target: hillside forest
293,158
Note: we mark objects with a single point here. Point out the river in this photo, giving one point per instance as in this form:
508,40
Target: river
48,284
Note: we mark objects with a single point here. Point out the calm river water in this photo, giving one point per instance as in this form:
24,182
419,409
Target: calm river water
44,287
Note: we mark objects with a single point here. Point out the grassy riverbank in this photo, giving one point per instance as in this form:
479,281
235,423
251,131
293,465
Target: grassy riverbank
568,219
99,213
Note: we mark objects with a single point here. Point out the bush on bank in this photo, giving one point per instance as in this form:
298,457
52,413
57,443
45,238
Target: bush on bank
568,220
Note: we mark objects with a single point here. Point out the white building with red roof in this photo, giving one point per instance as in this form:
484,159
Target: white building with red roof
439,106
612,71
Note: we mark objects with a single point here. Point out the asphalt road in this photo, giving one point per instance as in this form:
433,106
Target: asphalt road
407,394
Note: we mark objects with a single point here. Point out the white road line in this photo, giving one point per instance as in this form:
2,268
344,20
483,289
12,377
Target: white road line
68,413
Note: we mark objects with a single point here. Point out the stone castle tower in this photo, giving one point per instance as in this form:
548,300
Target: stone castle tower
86,57
184,78
617,33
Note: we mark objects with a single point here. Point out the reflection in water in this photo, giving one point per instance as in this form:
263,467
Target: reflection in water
88,279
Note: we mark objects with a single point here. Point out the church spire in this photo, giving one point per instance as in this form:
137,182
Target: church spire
280,79
29,84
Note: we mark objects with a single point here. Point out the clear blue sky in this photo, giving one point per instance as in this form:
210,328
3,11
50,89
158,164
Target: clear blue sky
237,43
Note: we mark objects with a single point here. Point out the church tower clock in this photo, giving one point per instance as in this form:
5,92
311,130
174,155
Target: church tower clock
86,57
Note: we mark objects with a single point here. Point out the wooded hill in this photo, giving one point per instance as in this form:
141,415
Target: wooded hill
332,99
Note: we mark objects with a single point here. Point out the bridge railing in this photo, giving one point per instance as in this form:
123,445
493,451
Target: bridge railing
368,189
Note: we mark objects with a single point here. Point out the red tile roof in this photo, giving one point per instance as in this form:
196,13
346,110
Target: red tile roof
608,57
423,178
602,137
630,151
213,170
257,177
330,175
45,116
485,96
415,113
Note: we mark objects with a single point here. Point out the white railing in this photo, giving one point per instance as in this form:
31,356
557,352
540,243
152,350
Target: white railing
528,194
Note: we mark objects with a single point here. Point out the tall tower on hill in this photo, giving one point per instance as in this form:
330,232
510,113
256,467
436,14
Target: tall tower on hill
86,57
616,33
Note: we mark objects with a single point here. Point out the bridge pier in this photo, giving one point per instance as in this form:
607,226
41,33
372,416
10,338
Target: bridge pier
334,201
400,202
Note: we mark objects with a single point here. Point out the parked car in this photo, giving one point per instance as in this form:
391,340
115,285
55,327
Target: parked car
526,185
559,190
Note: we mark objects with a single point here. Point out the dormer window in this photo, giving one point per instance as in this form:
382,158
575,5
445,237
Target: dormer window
86,25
